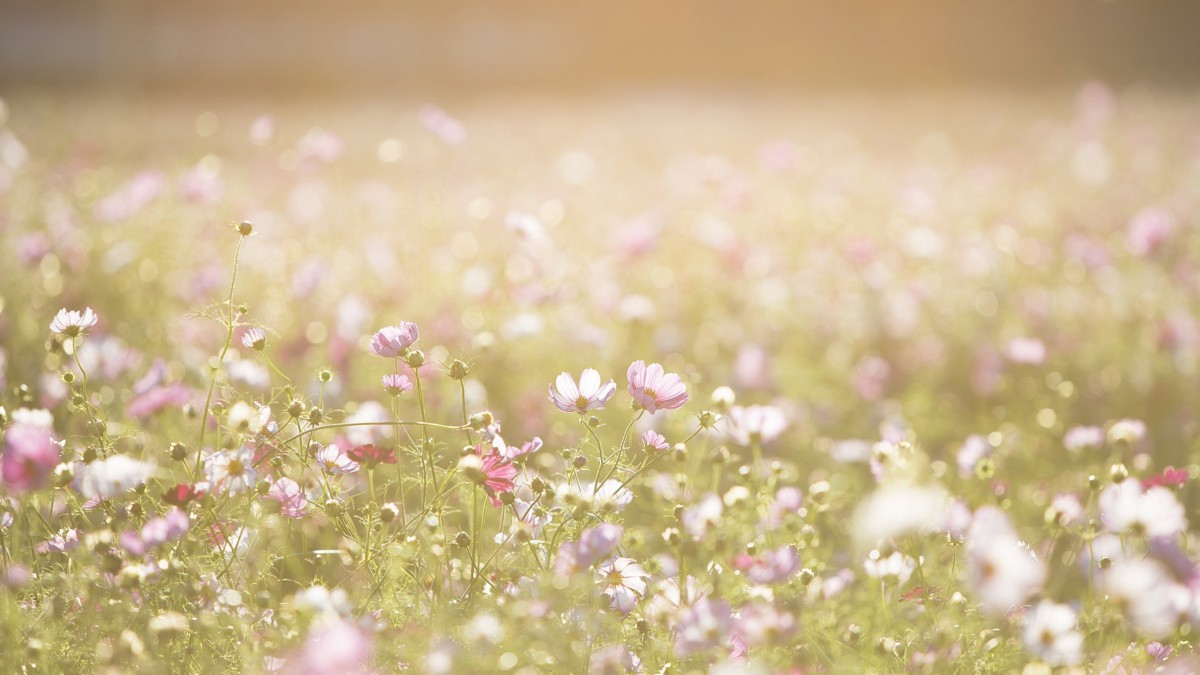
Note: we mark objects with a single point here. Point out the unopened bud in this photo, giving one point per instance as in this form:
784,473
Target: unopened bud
245,228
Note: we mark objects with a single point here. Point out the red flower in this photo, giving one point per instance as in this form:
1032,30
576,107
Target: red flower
181,494
372,455
1170,477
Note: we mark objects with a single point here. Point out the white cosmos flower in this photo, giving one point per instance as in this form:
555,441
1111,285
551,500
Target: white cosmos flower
231,471
894,510
1125,507
762,423
624,582
73,323
107,478
333,460
1050,633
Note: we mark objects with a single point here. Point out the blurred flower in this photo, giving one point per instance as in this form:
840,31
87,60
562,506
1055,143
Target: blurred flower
29,457
896,509
73,323
761,623
974,449
1029,351
1002,570
1078,438
182,494
1149,229
703,624
394,341
1050,633
527,448
769,567
291,498
894,568
445,127
1170,477
1126,507
589,395
702,517
1144,590
372,455
623,581
335,646
112,476
1126,431
756,424
653,389
594,543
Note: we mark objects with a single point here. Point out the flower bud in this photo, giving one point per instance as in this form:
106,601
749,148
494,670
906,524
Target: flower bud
245,228
459,369
579,462
471,467
388,512
723,397
481,420
177,451
709,419
68,377
1118,473
325,375
415,358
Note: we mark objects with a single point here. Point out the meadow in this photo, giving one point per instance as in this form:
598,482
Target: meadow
667,383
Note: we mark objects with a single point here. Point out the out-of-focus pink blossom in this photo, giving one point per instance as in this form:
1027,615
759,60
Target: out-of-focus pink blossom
29,457
290,496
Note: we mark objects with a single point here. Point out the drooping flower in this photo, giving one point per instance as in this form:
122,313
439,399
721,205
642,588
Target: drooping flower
590,394
394,341
1050,632
654,389
624,583
334,461
29,457
115,475
290,496
73,323
231,471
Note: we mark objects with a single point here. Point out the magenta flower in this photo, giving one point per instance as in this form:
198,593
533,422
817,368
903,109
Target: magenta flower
29,457
394,341
527,448
654,389
290,496
588,395
498,473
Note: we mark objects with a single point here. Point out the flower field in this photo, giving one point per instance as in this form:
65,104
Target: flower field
663,383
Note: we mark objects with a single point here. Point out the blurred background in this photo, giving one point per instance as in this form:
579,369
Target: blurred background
285,44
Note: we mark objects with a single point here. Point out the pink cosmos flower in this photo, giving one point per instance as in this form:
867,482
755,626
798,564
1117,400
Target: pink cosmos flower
396,384
589,395
703,624
654,441
290,496
491,471
394,341
769,567
527,448
1126,507
332,647
594,543
156,532
158,397
1029,351
29,457
654,389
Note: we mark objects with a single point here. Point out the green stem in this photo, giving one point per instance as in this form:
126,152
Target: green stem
212,383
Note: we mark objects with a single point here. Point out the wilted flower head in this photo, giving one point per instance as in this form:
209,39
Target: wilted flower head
590,394
29,457
394,341
73,323
654,389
